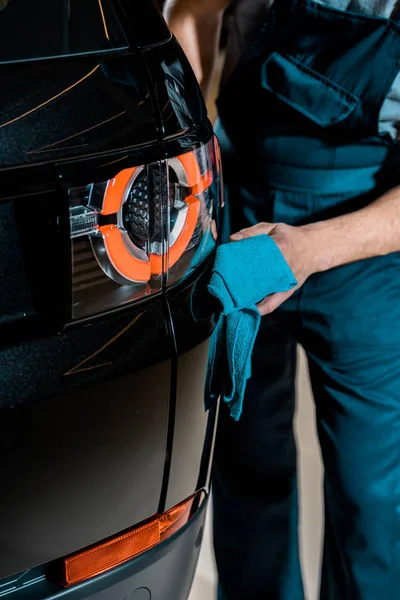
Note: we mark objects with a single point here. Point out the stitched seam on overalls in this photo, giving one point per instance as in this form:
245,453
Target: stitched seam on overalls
313,192
317,8
375,106
328,82
351,100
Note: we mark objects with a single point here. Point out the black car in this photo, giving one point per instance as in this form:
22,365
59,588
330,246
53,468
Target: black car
110,191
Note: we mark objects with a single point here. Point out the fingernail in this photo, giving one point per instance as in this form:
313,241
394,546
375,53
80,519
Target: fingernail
237,236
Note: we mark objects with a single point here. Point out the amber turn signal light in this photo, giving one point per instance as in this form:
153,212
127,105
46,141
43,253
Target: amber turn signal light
117,550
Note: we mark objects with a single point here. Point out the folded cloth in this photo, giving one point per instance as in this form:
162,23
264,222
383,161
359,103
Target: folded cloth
244,273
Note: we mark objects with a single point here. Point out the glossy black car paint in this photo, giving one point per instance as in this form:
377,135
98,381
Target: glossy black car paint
31,31
101,422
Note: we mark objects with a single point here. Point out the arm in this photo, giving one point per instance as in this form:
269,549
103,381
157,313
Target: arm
371,231
197,26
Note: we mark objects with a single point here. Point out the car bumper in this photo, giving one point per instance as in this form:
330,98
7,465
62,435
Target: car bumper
163,573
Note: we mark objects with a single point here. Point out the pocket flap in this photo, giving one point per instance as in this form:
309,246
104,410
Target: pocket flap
310,93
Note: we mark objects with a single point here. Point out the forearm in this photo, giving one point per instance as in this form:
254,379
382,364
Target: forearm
371,231
198,31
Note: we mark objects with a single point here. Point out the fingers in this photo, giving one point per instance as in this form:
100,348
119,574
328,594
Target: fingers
271,303
258,229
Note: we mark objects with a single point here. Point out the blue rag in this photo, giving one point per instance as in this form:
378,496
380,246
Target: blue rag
244,273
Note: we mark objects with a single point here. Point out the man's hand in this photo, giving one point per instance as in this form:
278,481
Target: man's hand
308,249
296,247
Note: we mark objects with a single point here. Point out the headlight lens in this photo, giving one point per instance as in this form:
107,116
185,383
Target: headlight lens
146,228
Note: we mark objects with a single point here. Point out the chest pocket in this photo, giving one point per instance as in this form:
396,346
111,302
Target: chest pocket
308,92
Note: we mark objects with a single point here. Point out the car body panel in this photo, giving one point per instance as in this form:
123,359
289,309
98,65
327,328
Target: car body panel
143,21
190,427
62,109
180,102
59,450
32,31
101,422
73,470
79,357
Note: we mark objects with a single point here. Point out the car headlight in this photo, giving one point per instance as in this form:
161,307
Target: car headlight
142,230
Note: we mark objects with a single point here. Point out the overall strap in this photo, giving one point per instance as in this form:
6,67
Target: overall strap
395,16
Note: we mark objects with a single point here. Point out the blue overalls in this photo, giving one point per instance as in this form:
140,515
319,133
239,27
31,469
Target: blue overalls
299,135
